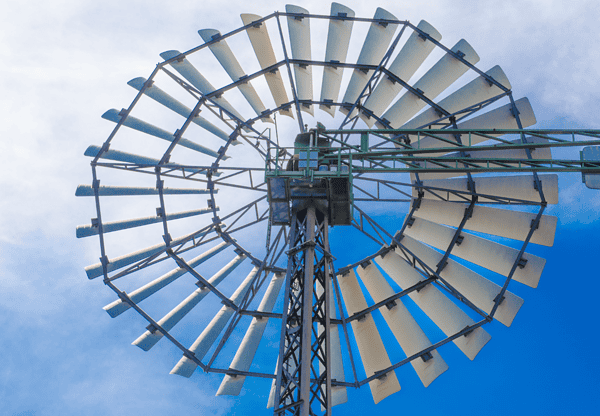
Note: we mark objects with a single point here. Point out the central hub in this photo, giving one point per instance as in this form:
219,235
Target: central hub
310,178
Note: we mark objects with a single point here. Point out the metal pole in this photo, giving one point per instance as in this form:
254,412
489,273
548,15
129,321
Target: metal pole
327,291
306,350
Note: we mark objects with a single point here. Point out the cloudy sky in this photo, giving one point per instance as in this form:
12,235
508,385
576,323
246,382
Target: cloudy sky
65,62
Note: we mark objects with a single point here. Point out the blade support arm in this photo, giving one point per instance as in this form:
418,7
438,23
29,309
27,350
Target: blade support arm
183,264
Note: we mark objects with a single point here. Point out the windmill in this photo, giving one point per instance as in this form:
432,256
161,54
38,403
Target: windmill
297,187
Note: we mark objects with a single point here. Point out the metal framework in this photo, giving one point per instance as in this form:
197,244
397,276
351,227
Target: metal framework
303,378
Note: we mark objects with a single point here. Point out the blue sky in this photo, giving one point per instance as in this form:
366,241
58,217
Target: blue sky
67,62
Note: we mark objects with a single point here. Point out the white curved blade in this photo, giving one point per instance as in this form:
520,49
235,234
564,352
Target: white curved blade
87,190
139,125
514,187
242,361
503,117
372,52
117,307
483,252
233,68
92,151
109,227
338,39
409,59
189,72
471,285
447,70
261,43
407,331
116,263
441,310
336,367
299,30
186,367
148,339
474,92
495,221
499,118
370,346
271,399
171,103
339,394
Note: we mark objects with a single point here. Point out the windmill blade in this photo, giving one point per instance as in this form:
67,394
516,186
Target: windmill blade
480,251
499,118
474,92
148,339
172,104
95,270
495,221
271,399
409,59
186,367
232,386
476,288
370,346
189,72
503,117
117,307
87,190
513,187
338,40
233,68
447,70
93,151
109,227
261,43
441,310
372,52
299,30
139,125
407,331
339,394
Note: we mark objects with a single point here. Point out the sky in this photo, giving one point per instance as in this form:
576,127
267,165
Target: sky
66,62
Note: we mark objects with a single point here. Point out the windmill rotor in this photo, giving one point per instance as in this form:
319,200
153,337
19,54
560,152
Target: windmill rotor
418,126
